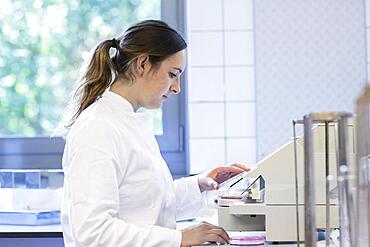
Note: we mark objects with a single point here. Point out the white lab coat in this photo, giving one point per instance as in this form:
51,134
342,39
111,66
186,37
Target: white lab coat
118,190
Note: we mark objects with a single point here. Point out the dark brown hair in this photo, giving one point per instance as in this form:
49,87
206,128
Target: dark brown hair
152,37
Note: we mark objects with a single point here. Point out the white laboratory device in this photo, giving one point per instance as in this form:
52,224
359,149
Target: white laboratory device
270,203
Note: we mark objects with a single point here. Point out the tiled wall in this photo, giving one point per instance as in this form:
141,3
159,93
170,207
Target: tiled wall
221,90
310,56
367,24
257,65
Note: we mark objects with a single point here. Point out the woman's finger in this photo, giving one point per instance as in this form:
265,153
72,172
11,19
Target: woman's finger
214,237
225,176
221,232
233,169
245,168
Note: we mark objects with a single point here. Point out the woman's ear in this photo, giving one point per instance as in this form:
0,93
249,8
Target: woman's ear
142,64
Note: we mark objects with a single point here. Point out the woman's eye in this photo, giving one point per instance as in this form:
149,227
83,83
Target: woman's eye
172,75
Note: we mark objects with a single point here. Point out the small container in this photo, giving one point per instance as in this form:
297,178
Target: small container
30,197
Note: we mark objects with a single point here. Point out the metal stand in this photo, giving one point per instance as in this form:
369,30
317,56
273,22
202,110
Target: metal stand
362,226
309,189
296,180
345,199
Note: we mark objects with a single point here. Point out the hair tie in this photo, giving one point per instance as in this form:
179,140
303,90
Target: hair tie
115,43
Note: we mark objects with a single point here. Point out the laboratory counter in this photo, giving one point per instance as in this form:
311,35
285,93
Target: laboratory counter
51,235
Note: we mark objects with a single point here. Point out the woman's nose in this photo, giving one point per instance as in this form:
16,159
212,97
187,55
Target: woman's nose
175,87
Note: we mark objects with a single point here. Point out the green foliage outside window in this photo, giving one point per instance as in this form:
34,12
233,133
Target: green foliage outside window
42,46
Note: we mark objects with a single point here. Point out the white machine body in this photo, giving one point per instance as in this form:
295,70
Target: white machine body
275,213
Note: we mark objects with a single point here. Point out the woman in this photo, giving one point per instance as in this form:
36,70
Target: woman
118,190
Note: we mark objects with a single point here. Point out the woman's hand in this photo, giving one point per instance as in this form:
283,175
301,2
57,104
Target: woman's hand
211,179
202,233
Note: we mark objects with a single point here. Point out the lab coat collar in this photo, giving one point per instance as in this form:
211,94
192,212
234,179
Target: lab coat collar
122,105
118,100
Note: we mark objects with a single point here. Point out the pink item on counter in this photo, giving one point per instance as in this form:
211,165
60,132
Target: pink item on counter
247,240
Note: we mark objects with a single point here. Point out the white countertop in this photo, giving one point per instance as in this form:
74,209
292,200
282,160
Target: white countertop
180,225
36,229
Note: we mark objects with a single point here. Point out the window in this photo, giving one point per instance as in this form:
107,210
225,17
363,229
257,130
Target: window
43,43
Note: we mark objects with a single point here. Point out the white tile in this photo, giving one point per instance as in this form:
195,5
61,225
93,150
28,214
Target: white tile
206,120
240,83
205,48
241,151
206,154
239,48
206,84
367,4
205,15
240,119
368,43
238,14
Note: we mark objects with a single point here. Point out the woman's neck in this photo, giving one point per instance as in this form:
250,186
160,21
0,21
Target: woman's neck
128,91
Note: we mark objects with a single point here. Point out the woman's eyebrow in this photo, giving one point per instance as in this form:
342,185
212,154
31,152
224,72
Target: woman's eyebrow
180,70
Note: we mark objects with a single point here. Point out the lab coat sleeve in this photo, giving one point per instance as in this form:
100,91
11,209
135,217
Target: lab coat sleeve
189,199
93,176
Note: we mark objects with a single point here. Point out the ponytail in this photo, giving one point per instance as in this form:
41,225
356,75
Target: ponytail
98,76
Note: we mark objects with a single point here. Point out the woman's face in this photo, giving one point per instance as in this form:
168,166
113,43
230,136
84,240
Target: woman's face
159,83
